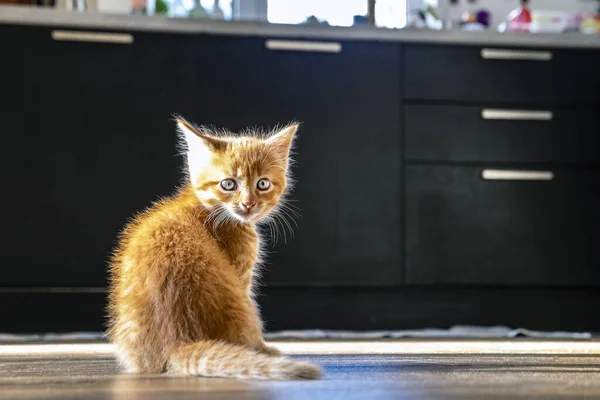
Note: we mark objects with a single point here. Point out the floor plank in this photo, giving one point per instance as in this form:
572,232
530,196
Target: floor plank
418,370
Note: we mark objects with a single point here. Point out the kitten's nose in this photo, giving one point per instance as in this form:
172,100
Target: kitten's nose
247,205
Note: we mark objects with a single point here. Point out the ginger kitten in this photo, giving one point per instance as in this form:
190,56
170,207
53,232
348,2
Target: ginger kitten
181,296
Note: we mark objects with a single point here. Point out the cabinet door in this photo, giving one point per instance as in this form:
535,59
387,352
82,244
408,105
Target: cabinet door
348,164
502,75
97,145
513,227
14,112
469,134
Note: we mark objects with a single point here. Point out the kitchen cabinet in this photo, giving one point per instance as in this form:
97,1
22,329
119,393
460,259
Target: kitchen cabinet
466,226
347,168
15,110
437,184
481,134
96,145
501,74
502,156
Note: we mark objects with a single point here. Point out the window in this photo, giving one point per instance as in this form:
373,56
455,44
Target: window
297,11
391,13
181,8
388,13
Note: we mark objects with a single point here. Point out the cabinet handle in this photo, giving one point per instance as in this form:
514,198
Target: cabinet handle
94,37
506,54
297,45
516,175
523,115
73,289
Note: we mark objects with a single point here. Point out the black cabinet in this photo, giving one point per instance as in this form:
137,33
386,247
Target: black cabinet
502,179
464,229
96,145
12,103
347,162
15,110
510,75
468,134
419,167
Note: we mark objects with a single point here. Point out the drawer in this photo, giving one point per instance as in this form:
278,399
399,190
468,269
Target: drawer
469,73
511,227
490,134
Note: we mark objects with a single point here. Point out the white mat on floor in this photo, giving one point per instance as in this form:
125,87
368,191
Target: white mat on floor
472,332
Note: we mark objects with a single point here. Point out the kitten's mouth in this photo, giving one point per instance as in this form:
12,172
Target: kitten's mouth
246,215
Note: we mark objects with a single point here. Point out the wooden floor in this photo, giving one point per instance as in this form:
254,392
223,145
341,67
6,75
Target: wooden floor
360,370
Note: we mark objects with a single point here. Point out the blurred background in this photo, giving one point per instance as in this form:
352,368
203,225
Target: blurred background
447,164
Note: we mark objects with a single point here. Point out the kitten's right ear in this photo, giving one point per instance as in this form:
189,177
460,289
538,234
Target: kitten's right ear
194,137
199,147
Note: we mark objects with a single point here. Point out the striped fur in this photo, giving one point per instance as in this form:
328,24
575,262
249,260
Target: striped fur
217,359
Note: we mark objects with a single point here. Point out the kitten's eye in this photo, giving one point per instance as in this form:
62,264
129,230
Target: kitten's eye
228,184
263,184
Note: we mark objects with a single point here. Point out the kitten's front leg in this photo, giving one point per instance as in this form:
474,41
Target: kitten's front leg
260,346
254,339
258,339
269,350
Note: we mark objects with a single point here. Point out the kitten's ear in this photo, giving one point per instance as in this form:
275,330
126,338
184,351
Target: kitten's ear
199,147
283,139
194,137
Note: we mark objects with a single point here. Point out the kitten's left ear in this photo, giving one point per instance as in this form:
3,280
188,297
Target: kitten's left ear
283,139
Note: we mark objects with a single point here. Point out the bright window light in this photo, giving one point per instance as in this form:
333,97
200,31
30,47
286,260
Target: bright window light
391,13
338,13
181,8
388,13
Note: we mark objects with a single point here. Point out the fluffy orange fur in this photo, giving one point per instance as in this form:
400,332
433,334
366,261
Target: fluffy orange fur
181,298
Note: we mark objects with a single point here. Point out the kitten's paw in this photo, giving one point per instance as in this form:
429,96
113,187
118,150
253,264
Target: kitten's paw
301,370
270,351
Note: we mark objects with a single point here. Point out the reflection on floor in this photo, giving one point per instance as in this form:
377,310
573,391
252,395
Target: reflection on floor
411,369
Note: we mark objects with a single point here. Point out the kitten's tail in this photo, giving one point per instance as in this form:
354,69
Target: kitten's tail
217,359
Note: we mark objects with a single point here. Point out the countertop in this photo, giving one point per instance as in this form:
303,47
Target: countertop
20,15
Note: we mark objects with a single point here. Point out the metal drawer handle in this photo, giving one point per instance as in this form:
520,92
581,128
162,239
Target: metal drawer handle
507,54
516,175
297,45
523,115
94,37
93,289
